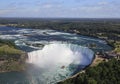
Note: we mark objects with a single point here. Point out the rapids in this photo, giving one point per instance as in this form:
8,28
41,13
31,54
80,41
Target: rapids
52,55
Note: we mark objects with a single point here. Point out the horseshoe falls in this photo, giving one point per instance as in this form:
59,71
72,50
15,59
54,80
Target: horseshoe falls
57,61
52,55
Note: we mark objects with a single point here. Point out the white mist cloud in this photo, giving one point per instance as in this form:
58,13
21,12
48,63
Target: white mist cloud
58,61
60,55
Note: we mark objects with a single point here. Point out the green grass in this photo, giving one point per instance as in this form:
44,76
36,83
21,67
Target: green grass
117,47
5,49
7,42
11,58
117,50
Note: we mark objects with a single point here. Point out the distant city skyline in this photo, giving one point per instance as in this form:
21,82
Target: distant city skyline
60,8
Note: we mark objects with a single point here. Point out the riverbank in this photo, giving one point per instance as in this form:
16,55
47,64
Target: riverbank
100,74
106,30
11,59
1,25
99,58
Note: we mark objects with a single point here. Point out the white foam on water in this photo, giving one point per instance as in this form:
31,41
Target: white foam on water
54,61
10,36
58,33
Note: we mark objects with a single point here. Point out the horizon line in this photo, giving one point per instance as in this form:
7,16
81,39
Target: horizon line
63,17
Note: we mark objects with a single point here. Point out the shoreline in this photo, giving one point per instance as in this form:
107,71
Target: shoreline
81,71
94,57
3,25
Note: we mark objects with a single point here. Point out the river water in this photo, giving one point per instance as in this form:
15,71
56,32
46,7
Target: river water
52,55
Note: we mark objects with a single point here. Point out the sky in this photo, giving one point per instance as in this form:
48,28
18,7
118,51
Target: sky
60,8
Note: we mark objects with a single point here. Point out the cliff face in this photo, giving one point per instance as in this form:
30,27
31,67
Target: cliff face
11,59
14,63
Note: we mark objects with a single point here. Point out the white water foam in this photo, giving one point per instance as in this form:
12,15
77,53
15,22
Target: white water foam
54,61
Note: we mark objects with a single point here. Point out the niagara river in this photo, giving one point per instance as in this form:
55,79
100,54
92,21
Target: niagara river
52,55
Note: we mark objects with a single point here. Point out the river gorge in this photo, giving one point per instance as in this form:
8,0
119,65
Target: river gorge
52,55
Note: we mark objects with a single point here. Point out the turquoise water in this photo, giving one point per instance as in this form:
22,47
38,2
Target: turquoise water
72,52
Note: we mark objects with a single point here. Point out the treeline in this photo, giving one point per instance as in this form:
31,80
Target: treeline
8,50
107,28
104,73
7,42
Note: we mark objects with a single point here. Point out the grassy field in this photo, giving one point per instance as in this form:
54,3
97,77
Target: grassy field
117,46
11,59
5,49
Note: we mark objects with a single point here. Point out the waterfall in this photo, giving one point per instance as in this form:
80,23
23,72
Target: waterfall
65,54
54,61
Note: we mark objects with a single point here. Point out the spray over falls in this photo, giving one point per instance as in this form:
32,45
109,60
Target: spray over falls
52,55
58,61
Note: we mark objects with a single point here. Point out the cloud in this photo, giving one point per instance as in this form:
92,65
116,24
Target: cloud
6,11
48,6
78,0
60,9
103,3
